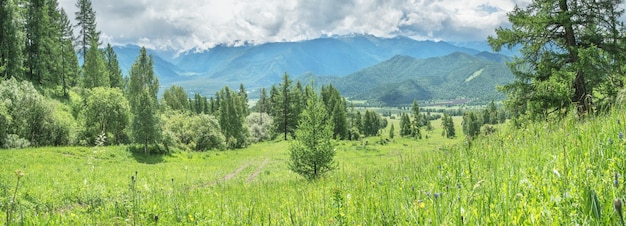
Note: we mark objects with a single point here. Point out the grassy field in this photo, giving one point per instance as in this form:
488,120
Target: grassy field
548,173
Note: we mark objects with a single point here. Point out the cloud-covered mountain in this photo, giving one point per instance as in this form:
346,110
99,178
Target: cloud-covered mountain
264,65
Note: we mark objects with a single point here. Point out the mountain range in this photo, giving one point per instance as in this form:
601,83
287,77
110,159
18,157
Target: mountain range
381,70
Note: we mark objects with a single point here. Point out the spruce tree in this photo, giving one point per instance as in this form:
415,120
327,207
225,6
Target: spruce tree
95,72
11,40
417,121
232,118
142,96
113,68
284,108
312,152
69,60
86,24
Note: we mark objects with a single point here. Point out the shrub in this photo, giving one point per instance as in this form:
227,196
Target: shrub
259,126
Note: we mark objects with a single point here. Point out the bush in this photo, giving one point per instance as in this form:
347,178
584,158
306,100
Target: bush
259,126
28,115
191,132
15,141
106,110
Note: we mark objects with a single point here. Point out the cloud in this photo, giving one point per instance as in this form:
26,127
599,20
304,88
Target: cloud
202,24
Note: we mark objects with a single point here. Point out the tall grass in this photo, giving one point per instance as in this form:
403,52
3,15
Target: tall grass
547,173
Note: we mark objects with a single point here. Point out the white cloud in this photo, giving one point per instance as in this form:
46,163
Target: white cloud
202,24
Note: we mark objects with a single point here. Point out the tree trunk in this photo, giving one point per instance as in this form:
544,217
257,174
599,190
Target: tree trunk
580,90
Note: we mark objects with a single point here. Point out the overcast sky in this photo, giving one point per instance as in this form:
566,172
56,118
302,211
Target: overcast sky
186,24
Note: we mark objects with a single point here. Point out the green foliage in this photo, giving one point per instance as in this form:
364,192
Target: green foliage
30,116
107,111
175,98
337,111
11,40
142,96
113,68
417,122
571,54
86,24
231,116
145,124
284,110
437,78
471,125
447,124
259,126
372,123
186,131
95,70
405,125
392,132
312,151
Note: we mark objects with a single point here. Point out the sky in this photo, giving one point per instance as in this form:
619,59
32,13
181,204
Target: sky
182,25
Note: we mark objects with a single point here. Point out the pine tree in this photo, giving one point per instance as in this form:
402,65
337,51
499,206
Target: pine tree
244,99
312,152
571,53
232,118
142,96
405,125
11,40
95,72
86,24
417,121
284,109
392,132
447,124
113,67
69,60
262,104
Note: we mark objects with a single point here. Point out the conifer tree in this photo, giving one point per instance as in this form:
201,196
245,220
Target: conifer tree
417,121
232,118
142,96
284,109
11,40
95,72
69,60
113,68
312,152
571,53
86,24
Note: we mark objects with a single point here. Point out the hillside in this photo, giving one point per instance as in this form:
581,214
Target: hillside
401,79
263,65
544,174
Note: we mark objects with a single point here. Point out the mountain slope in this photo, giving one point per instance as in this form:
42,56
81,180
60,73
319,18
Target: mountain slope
264,65
401,79
166,71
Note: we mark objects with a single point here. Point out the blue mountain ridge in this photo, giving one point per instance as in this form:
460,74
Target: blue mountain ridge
263,65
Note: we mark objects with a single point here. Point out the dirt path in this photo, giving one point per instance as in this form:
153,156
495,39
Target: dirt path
225,178
236,172
258,171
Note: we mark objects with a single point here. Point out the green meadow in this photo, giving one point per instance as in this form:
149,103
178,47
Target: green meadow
544,174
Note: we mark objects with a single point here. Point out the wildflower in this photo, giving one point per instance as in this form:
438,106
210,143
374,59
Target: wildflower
420,204
620,135
556,172
437,195
616,180
19,173
618,122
